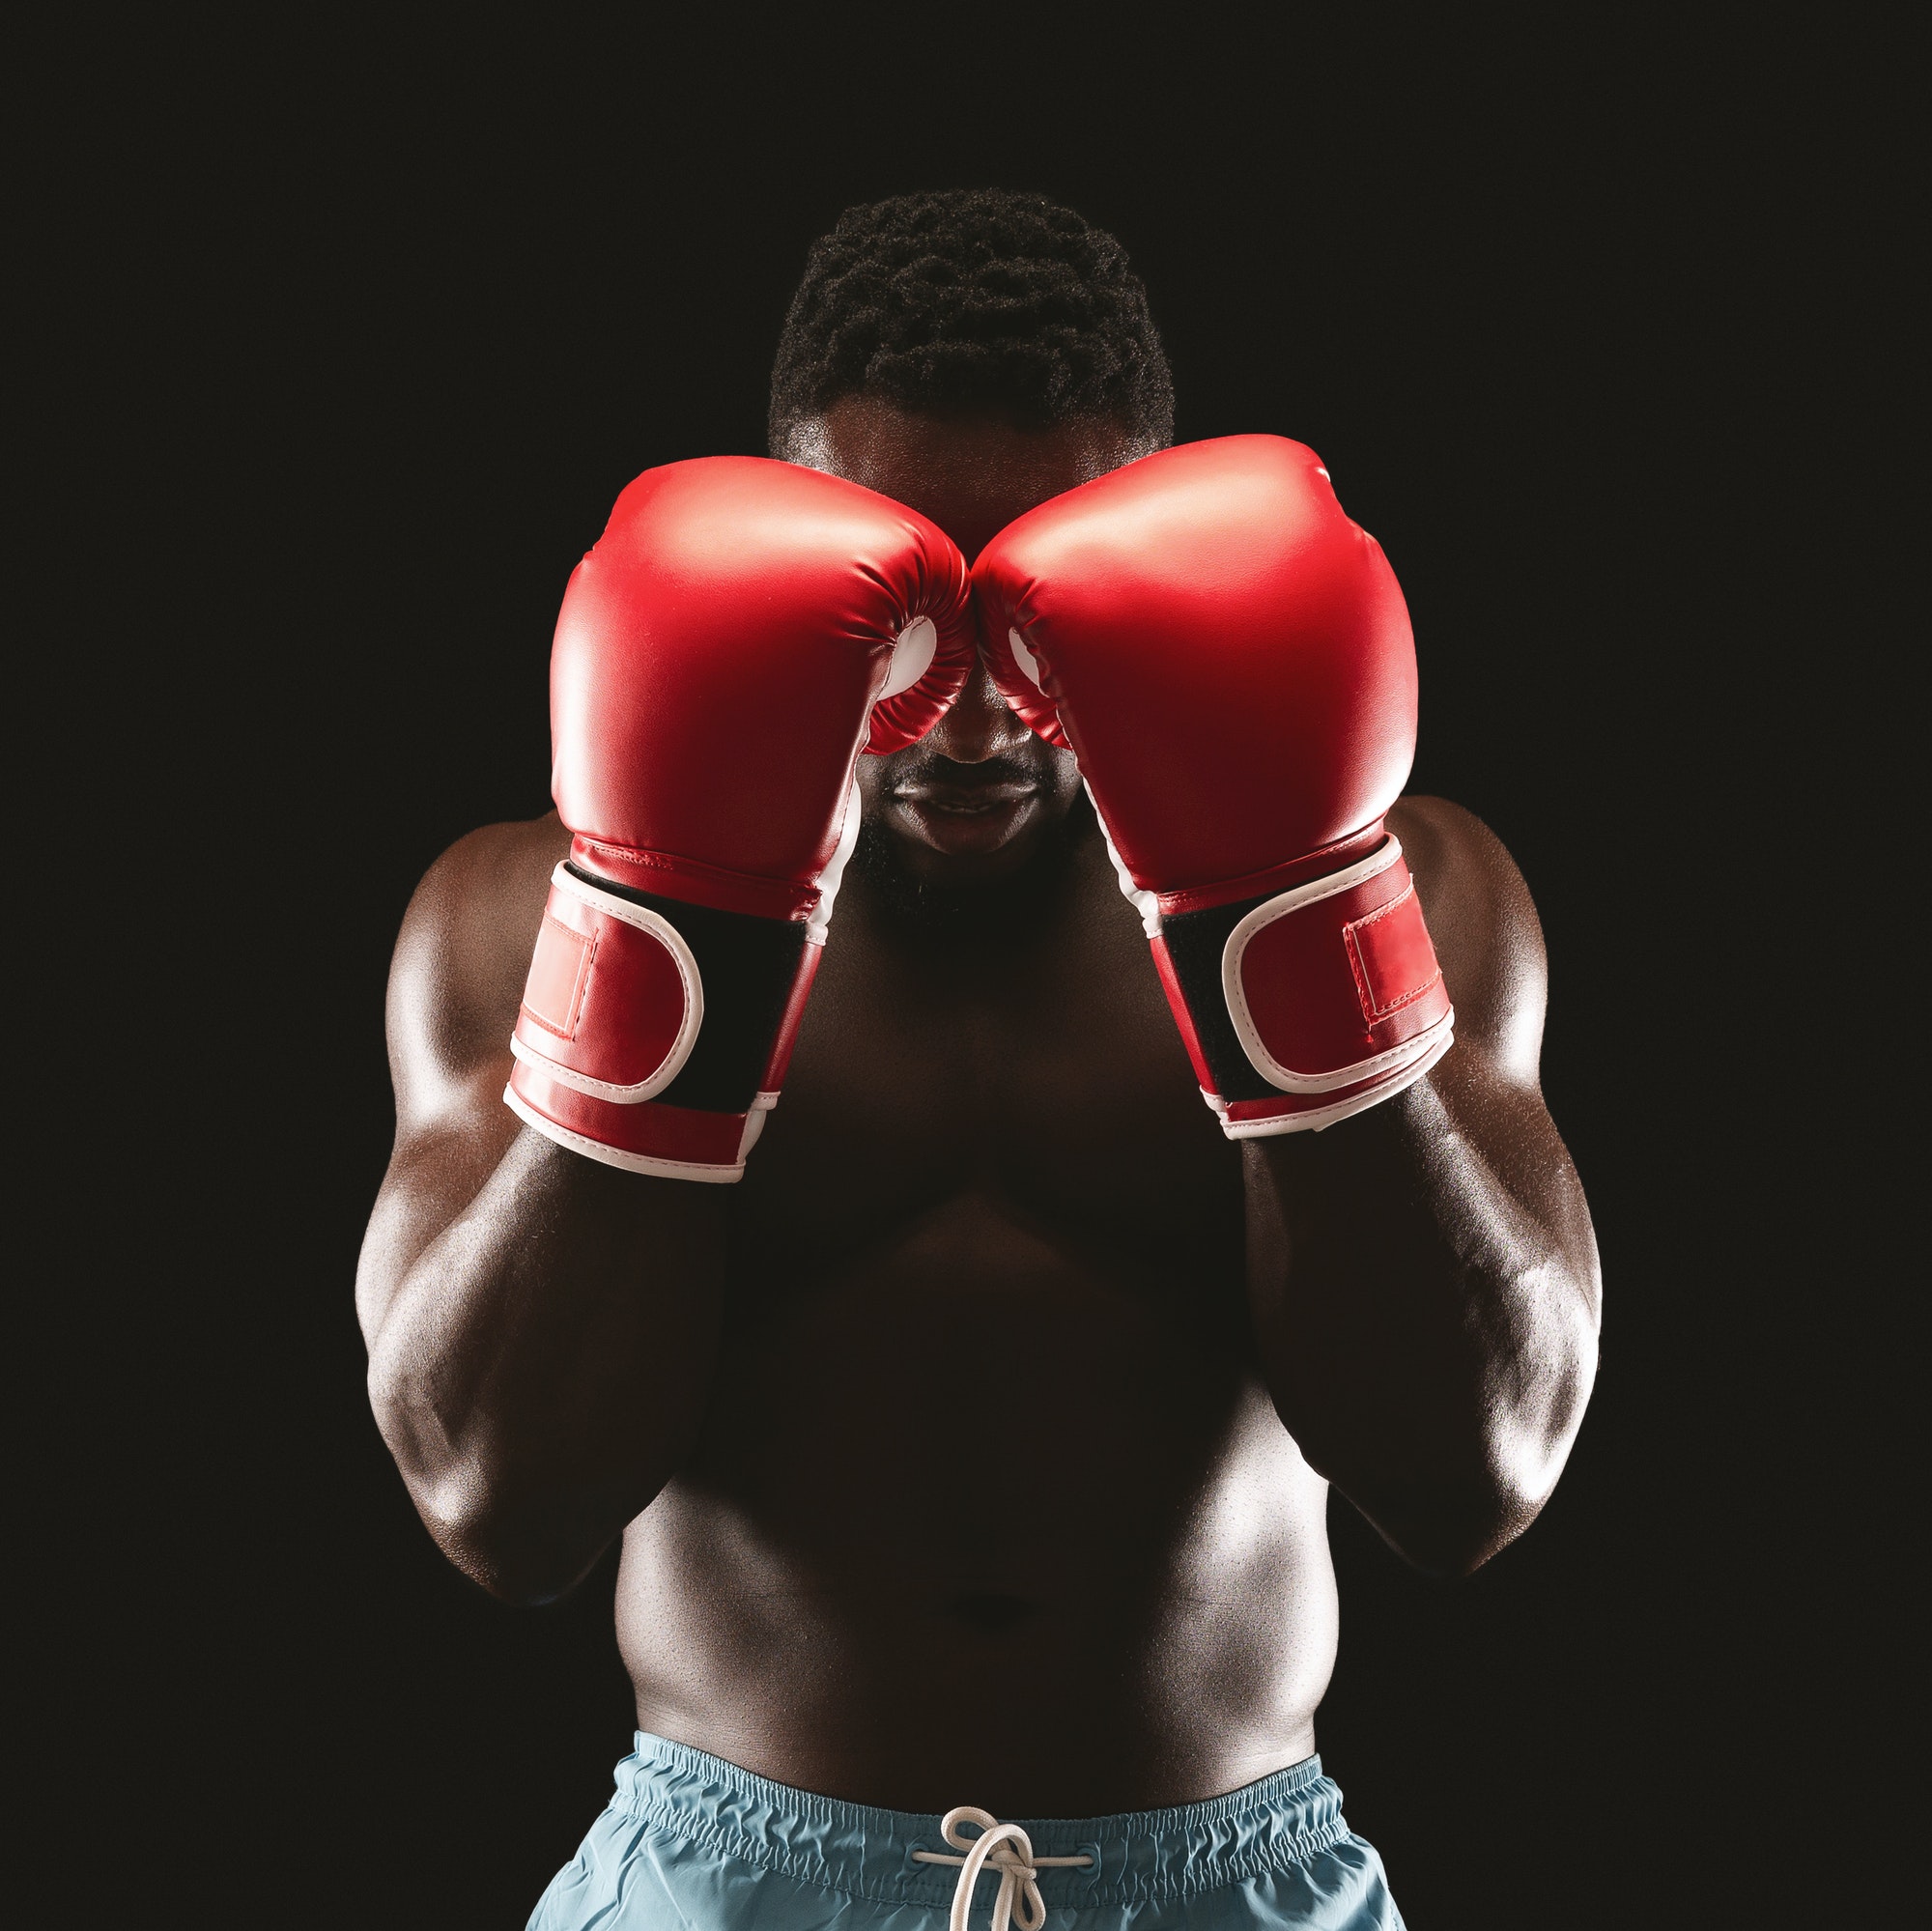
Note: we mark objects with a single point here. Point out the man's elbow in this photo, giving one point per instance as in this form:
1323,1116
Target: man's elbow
1450,1536
519,1539
521,1553
1451,1528
1516,1459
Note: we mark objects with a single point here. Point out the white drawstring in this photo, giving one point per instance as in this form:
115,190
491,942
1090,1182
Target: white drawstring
1017,1867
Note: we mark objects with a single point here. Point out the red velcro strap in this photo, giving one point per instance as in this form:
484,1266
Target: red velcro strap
1392,956
613,996
559,970
1332,983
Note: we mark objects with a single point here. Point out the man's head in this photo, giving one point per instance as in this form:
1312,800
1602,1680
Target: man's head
969,354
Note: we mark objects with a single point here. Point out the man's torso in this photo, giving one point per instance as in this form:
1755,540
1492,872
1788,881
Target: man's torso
989,1502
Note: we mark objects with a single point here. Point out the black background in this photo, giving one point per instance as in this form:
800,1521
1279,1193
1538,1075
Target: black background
352,337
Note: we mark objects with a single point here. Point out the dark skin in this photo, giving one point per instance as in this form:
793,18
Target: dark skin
975,1448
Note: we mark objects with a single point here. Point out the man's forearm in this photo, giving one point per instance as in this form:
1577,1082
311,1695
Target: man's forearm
541,1365
1424,1302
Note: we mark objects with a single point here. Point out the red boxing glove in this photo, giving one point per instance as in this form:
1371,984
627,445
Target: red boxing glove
741,632
1229,659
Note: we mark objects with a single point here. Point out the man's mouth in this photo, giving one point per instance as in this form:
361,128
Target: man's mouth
961,811
966,799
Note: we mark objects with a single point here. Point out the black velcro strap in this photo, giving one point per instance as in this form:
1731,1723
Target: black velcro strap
1195,943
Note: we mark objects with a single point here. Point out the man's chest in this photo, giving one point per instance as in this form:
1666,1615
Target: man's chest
1033,1063
992,1225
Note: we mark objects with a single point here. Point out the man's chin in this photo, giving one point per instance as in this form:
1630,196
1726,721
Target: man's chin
937,867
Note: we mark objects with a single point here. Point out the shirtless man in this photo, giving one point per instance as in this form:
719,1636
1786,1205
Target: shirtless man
974,1447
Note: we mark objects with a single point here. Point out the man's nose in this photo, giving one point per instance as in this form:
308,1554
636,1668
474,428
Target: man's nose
980,725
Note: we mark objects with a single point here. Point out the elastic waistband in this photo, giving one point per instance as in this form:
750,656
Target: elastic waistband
1287,1818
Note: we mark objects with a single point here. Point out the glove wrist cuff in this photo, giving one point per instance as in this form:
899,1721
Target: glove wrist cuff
689,881
674,1142
1304,1006
655,1028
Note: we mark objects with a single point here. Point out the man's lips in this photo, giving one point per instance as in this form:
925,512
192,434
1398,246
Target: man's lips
966,799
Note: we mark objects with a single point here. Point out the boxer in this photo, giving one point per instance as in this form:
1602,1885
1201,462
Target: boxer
803,1170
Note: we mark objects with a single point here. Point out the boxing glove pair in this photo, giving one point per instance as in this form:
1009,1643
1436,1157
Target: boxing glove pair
1228,657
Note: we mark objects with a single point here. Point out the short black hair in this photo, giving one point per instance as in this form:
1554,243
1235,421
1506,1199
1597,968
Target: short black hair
972,301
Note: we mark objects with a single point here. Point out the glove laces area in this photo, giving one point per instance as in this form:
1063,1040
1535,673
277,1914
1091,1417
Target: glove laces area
1005,1848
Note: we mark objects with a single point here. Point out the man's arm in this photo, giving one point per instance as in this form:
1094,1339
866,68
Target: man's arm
1423,1276
542,1329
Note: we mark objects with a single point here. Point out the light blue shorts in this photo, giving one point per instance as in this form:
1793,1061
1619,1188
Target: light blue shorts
693,1842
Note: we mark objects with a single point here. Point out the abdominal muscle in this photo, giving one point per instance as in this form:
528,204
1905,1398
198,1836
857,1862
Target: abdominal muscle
976,1519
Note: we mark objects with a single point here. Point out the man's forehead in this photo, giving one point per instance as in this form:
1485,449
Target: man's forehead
972,475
